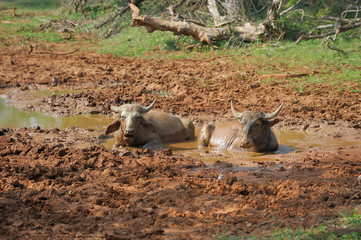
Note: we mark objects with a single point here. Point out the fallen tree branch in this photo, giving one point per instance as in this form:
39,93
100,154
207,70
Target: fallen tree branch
204,34
12,10
290,8
212,7
62,25
342,20
48,52
172,8
334,48
285,75
345,25
355,196
112,18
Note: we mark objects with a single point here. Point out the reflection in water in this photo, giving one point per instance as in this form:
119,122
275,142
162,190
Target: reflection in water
11,117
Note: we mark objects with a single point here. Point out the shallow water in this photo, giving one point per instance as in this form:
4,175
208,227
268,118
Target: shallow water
11,117
289,141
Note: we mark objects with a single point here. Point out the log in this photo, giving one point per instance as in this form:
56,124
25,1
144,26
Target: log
203,34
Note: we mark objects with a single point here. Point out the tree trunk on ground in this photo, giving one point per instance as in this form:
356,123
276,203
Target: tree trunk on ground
203,34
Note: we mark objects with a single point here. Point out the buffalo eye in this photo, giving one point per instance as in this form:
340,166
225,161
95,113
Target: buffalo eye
257,124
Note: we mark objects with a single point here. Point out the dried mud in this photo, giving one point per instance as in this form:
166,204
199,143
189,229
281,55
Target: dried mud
62,183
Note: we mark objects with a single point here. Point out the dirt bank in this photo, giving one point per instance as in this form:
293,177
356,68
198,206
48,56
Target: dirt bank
63,183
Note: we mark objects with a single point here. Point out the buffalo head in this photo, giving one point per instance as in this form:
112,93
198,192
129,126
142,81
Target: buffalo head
255,132
129,120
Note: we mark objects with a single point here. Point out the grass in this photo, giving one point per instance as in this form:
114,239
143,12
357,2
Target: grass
348,228
136,42
340,70
30,4
24,27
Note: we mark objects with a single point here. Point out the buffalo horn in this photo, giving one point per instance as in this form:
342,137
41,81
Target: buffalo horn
235,113
274,114
115,109
147,109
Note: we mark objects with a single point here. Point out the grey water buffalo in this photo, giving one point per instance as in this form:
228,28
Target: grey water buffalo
141,126
252,133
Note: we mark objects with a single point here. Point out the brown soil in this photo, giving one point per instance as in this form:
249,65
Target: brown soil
49,188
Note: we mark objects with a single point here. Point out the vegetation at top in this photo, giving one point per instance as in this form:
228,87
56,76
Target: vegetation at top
43,21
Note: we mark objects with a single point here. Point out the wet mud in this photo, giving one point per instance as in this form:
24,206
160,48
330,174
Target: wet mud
65,182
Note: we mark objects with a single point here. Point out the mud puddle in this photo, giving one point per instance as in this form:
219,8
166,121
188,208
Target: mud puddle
289,141
11,117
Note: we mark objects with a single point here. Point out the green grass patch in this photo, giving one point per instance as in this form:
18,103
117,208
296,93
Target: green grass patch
136,42
306,53
346,227
30,4
325,66
25,27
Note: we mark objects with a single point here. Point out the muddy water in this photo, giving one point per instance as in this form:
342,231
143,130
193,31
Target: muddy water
11,117
289,141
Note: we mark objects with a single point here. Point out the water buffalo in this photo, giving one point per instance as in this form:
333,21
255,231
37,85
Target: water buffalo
253,133
141,126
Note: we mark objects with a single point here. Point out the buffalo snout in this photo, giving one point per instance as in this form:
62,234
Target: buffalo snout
129,133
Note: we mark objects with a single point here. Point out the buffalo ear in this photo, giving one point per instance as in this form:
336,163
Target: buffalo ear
113,127
270,123
148,125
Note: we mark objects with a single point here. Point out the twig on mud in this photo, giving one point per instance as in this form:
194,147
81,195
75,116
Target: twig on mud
334,48
46,52
31,48
286,75
355,196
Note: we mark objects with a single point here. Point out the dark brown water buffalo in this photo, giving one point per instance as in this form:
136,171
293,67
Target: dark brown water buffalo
253,133
141,126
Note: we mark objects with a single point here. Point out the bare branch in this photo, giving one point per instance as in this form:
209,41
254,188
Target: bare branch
326,39
326,26
349,9
172,8
112,18
349,24
212,6
274,10
290,8
334,48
